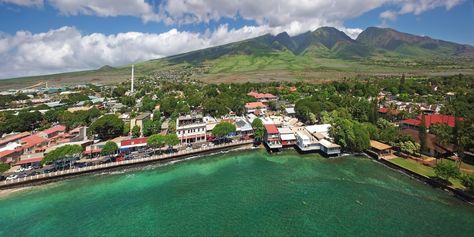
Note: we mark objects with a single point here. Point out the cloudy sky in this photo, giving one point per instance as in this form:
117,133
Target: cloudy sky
50,36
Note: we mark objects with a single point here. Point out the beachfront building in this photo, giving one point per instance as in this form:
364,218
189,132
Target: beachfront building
134,144
305,141
381,150
139,121
243,128
287,137
257,108
272,137
329,148
191,128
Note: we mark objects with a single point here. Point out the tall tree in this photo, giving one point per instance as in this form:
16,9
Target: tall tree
157,141
258,129
107,126
109,148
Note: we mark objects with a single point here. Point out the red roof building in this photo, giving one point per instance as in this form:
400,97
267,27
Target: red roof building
255,105
430,120
29,143
134,142
13,138
262,96
271,129
53,131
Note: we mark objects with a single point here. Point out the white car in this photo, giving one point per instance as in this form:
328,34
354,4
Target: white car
12,177
28,168
21,169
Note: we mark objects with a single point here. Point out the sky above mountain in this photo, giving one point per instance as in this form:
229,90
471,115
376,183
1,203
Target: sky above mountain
50,36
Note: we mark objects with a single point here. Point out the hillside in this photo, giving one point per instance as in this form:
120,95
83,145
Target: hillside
323,54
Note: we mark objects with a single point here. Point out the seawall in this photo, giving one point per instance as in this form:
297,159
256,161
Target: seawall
60,175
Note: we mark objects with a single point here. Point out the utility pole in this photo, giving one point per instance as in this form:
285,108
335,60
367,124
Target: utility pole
131,89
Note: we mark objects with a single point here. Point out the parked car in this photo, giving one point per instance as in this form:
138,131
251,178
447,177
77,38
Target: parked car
12,177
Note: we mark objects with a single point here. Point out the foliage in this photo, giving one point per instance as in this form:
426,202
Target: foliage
136,131
151,127
446,170
4,167
61,153
109,148
443,132
172,139
409,147
467,180
107,126
157,141
351,134
148,104
259,129
223,129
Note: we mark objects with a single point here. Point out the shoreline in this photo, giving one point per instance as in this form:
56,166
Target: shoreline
107,167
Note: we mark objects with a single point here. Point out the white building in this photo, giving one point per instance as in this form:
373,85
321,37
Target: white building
191,128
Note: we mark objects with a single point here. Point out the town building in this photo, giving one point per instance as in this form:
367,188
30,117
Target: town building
243,128
429,120
262,97
272,137
287,137
257,108
139,121
191,128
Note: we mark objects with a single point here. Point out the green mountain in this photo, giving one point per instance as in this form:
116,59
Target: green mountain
323,54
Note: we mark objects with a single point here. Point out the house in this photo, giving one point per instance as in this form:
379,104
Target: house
31,159
287,136
30,143
262,97
305,141
243,128
434,148
380,149
389,114
329,148
290,111
10,156
272,137
52,131
12,140
256,108
139,121
191,128
430,120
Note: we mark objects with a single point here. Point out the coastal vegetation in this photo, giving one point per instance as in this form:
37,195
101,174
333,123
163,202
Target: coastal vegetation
62,153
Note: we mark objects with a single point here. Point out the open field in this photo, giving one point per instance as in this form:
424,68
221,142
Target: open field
281,66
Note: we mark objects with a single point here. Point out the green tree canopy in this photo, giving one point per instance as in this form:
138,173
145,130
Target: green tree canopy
157,141
109,148
446,170
259,129
223,129
4,167
61,153
107,126
172,139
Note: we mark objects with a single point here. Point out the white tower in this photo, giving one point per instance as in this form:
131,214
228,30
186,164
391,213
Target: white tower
131,89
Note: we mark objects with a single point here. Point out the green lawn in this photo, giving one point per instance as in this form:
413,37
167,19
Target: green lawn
422,169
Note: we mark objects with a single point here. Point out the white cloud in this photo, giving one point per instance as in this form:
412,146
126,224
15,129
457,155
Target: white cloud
389,15
25,3
66,49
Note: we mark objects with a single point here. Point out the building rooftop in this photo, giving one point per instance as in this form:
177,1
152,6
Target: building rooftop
271,129
254,105
14,137
433,119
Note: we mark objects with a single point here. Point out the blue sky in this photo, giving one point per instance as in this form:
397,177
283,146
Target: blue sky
49,36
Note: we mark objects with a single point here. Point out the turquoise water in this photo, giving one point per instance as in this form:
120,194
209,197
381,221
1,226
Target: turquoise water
240,194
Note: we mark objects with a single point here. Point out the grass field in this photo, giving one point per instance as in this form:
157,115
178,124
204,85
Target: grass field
278,66
421,169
